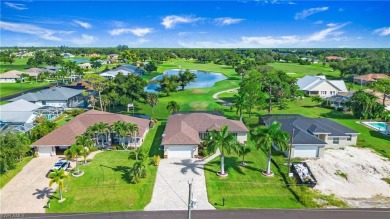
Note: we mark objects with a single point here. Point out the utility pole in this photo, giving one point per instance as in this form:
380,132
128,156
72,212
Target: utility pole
189,198
289,153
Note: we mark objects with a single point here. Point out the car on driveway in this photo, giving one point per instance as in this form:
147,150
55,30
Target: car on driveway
62,164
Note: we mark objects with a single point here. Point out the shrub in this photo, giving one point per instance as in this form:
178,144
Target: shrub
93,148
74,112
156,160
36,154
113,147
342,174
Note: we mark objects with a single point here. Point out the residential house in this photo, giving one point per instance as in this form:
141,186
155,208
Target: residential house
339,100
113,73
10,76
64,136
86,65
113,58
369,78
55,96
185,131
17,116
334,58
67,55
312,135
319,85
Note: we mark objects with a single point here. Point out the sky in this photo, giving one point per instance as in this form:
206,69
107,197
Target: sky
196,24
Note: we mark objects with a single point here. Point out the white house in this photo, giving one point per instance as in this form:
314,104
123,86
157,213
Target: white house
319,85
185,131
10,76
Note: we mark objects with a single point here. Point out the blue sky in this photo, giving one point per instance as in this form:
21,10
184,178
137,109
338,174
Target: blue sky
196,24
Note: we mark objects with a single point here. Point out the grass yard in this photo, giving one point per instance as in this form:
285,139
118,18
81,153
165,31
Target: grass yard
6,177
246,187
7,89
105,185
302,70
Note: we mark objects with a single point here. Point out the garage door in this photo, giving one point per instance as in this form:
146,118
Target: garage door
180,151
45,151
306,151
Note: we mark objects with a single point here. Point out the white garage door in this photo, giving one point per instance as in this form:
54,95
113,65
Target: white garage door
45,151
180,151
306,151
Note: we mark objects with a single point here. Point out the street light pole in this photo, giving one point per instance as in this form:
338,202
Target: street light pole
189,198
289,153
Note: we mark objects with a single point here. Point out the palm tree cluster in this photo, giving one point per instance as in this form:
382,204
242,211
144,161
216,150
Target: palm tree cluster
123,129
264,137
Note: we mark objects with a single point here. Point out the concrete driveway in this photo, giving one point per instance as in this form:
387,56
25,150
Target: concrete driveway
28,192
171,188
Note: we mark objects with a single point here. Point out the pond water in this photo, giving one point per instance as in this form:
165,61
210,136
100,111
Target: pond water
78,61
203,79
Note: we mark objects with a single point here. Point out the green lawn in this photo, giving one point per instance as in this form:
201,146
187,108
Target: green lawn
302,70
6,177
246,187
13,88
105,185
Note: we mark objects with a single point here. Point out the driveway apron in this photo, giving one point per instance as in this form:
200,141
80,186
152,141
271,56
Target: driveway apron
171,187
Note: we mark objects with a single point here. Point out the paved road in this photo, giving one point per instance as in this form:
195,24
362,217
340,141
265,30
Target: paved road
215,96
231,214
28,191
171,187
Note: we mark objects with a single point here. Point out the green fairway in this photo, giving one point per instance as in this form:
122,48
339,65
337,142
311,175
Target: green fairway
105,185
19,64
6,177
13,88
246,187
297,70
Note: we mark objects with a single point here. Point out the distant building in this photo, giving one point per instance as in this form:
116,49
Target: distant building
319,85
369,78
334,58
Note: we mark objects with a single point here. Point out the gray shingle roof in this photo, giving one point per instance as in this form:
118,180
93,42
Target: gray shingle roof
56,93
304,125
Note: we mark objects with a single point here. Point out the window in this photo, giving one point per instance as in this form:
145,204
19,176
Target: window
349,138
323,92
203,135
336,140
332,93
43,102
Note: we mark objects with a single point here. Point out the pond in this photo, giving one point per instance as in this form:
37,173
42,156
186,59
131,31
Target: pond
79,61
203,79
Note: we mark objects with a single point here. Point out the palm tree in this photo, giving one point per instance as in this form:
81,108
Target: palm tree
317,99
132,130
266,137
120,129
240,101
138,171
152,100
93,131
223,140
173,106
103,128
85,142
74,152
138,154
242,150
58,176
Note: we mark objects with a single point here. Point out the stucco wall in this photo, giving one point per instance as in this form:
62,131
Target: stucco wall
242,137
325,86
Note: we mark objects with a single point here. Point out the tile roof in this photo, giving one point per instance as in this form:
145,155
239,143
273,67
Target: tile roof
12,74
371,77
304,125
54,93
66,134
185,128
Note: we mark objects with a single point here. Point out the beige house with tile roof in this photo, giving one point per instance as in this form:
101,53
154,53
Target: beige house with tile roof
185,131
65,135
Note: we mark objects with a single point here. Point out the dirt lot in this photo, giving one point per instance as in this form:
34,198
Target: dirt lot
354,175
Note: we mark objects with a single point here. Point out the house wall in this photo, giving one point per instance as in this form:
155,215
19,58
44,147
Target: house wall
320,151
325,87
53,103
343,142
242,137
7,80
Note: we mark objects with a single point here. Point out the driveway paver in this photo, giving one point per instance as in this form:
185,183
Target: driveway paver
29,190
171,187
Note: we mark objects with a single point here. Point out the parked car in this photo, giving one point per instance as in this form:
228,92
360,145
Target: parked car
62,164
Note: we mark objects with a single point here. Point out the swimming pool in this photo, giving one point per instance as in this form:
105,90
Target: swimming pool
379,126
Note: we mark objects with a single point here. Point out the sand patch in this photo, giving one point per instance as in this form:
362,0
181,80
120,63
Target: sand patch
198,91
362,172
199,105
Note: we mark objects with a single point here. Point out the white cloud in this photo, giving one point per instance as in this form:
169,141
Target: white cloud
227,21
16,6
291,3
83,40
384,31
330,33
318,22
306,13
140,32
83,24
40,32
170,21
